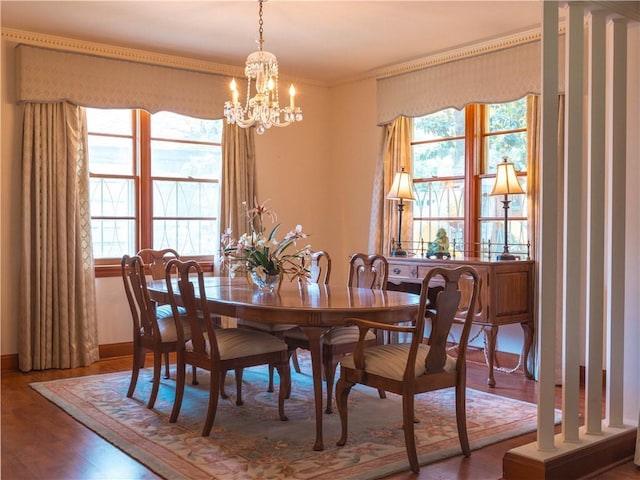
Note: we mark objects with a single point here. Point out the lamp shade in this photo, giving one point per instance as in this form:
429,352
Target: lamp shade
402,188
506,179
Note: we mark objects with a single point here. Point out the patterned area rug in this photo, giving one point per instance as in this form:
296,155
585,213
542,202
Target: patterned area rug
249,442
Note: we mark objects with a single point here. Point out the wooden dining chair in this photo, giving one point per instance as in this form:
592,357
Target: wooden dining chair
154,265
155,261
217,349
154,327
365,271
415,367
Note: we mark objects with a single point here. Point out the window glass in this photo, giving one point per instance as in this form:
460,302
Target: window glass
179,127
112,197
506,134
111,155
438,159
453,169
109,121
162,192
507,116
438,168
443,124
439,199
175,159
511,145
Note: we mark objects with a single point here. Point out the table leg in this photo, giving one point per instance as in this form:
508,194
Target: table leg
491,336
314,334
527,328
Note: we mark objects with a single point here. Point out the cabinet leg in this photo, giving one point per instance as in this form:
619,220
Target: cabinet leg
491,335
527,328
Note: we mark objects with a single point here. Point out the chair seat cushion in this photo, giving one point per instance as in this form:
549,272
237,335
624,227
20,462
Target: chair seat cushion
265,327
236,342
167,326
390,360
335,336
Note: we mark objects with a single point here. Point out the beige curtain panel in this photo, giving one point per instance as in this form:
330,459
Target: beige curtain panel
395,153
239,180
58,321
50,76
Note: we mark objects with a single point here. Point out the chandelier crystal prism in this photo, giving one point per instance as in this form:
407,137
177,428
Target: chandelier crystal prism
263,109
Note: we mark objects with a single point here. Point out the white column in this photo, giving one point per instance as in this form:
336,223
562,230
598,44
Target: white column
548,284
595,223
616,161
573,223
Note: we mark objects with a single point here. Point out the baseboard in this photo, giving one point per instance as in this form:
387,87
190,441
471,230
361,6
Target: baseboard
112,350
9,363
592,455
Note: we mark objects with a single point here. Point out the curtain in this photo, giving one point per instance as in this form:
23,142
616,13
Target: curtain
239,184
58,322
239,181
395,153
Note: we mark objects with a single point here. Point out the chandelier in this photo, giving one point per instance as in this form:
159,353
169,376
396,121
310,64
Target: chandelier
263,109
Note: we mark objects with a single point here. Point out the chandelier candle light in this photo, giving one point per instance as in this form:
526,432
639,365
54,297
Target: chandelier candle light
401,190
506,184
263,109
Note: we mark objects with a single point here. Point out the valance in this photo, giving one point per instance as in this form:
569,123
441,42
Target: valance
46,76
500,76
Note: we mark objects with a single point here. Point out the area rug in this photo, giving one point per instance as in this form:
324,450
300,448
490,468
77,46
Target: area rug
250,442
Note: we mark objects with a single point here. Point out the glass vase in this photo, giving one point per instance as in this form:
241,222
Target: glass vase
268,284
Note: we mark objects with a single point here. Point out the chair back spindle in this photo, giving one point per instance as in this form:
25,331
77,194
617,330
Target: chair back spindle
320,268
368,271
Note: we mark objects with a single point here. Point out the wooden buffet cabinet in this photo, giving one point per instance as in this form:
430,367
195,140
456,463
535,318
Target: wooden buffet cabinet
506,295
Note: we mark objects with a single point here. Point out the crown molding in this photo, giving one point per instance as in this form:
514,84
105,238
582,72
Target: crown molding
460,53
174,61
115,52
129,54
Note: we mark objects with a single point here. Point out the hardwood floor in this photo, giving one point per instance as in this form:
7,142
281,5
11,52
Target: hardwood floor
41,442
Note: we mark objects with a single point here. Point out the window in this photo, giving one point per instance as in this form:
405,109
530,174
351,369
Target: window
454,156
155,183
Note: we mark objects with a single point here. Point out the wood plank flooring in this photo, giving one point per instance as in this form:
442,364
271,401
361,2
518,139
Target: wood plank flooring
41,442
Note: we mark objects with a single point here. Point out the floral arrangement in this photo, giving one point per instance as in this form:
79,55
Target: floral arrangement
263,255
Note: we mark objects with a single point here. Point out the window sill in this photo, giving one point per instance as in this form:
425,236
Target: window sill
103,271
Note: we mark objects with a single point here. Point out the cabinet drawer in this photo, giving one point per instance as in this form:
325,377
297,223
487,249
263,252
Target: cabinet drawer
401,270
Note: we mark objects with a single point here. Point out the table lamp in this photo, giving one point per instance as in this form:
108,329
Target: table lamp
506,184
401,190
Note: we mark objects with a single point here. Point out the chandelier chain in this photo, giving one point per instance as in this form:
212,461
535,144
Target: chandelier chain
260,25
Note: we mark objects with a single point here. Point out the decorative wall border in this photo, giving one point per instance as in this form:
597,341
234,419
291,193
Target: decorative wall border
143,56
121,53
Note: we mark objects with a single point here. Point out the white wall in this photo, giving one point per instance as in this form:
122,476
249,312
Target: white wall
10,201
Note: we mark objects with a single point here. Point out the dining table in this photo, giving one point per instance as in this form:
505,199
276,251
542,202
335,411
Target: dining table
315,308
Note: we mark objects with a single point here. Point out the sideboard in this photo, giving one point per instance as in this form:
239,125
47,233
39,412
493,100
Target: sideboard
506,295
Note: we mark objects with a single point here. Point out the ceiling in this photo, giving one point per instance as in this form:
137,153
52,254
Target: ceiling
324,41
